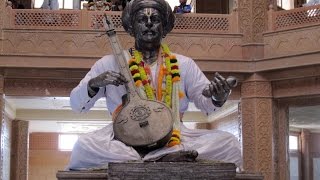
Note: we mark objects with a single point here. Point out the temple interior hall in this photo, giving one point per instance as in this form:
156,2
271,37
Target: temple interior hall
271,46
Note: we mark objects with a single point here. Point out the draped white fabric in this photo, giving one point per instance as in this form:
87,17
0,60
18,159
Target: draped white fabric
98,148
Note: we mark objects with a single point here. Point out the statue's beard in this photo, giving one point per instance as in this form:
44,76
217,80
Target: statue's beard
148,42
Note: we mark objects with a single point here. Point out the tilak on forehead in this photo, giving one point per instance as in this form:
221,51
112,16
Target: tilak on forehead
148,11
161,5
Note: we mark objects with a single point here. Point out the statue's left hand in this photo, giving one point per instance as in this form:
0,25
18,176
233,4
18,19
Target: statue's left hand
218,89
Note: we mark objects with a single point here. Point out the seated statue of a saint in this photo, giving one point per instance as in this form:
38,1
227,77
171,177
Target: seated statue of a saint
150,74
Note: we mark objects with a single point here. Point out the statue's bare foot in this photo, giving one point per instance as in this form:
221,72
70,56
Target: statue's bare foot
180,156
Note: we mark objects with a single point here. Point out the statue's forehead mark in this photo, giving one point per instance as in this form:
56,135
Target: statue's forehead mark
148,12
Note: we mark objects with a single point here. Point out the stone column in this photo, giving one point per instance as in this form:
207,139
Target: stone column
305,158
19,150
257,126
252,23
252,19
2,15
281,140
1,130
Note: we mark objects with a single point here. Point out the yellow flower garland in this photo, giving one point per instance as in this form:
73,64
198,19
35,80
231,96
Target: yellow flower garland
140,73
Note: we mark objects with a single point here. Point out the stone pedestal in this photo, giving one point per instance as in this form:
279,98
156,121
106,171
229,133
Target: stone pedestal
173,170
83,175
157,170
162,171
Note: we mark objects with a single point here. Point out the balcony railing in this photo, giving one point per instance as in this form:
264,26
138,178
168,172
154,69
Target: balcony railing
299,17
92,20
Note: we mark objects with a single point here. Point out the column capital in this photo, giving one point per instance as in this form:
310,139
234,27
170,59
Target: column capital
256,86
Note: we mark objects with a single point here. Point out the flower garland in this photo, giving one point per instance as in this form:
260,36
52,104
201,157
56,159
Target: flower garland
170,94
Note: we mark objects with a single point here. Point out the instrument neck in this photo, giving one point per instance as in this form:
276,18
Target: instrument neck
122,58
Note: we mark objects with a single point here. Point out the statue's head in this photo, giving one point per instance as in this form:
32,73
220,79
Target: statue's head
148,21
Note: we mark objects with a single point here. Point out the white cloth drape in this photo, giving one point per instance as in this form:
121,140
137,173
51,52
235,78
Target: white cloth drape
98,148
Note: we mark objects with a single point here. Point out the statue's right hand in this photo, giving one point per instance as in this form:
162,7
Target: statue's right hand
107,78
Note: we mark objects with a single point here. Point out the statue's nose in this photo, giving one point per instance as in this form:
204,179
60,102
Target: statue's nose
149,23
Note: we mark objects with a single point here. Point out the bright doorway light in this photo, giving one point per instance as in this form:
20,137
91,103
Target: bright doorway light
293,142
67,141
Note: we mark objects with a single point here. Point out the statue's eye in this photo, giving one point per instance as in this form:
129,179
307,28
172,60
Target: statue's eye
156,19
142,19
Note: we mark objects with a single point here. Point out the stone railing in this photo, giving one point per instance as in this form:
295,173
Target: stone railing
293,32
67,35
299,17
92,20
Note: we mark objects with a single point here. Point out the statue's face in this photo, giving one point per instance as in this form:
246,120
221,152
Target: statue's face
148,28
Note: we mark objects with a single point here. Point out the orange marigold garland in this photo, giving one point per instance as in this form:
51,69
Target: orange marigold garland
169,71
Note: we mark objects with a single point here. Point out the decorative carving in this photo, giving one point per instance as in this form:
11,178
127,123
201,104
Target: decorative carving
206,47
2,15
39,87
307,15
245,18
259,20
257,118
158,109
252,21
47,19
58,43
87,44
292,42
3,5
122,120
281,149
256,89
248,135
140,113
264,137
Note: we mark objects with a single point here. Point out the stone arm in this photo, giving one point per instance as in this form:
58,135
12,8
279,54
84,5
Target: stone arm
92,86
219,89
195,82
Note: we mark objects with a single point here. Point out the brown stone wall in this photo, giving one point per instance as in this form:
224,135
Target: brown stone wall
19,150
44,157
257,126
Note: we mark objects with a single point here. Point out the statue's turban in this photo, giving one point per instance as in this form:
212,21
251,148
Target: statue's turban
135,5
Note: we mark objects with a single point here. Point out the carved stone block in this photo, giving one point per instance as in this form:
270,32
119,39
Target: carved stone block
172,170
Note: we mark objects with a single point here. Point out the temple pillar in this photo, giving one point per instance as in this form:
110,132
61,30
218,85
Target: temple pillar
281,140
306,158
252,24
1,125
252,19
2,15
257,126
19,150
2,11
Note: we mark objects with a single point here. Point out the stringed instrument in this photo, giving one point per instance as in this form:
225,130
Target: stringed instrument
140,123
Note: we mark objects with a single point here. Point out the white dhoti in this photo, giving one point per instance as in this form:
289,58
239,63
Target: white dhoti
97,148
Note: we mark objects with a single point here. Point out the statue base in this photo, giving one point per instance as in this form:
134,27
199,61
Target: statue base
161,170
